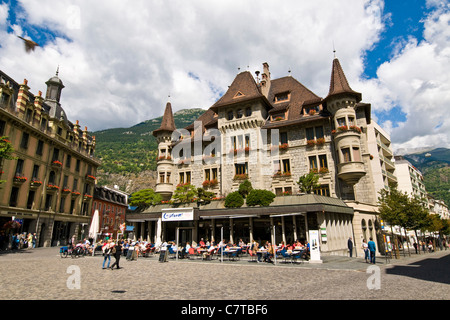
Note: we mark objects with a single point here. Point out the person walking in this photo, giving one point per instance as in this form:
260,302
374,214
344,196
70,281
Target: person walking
106,254
365,247
117,252
372,248
350,246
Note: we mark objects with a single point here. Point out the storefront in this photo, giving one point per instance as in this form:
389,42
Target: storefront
287,219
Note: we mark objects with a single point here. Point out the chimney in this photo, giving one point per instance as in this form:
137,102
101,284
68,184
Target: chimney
265,82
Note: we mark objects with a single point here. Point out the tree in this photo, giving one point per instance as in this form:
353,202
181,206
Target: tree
308,182
245,187
145,198
234,200
185,193
6,151
260,197
204,196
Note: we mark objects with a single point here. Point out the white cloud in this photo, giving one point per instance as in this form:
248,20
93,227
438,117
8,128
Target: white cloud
417,79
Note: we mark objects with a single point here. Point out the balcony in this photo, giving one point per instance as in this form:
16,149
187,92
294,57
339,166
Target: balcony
351,172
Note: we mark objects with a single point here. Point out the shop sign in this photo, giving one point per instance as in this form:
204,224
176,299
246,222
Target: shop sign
177,215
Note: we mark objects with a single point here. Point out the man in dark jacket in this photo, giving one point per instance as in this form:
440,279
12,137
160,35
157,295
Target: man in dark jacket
350,246
116,254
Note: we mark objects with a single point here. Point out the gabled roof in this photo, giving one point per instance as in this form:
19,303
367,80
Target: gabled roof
243,88
299,95
167,123
339,83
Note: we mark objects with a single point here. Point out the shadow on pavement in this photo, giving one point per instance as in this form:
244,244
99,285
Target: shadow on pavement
435,270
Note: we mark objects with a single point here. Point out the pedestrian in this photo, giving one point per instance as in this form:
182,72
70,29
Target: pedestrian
372,248
415,246
350,246
116,252
34,240
106,253
30,241
365,247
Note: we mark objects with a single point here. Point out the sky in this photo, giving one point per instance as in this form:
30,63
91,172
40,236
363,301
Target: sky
121,61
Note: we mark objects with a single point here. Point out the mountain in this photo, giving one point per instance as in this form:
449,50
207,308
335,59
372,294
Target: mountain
435,167
129,154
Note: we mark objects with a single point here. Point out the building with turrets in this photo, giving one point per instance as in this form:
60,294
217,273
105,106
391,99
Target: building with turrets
271,131
50,184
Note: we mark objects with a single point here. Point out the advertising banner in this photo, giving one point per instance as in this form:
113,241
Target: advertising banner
314,246
182,214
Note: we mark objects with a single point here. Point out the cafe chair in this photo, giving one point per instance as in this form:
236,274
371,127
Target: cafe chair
297,256
252,255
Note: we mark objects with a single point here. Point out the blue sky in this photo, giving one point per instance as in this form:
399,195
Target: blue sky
393,52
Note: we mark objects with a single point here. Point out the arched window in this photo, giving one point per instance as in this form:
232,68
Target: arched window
248,112
230,115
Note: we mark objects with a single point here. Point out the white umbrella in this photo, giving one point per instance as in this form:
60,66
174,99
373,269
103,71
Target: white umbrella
95,223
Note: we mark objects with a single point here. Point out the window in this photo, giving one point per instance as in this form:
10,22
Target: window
247,141
68,161
214,173
75,184
72,206
323,190
188,177
24,141
286,166
55,154
161,177
278,116
167,181
230,115
77,166
181,177
48,202
2,127
313,163
239,114
281,97
233,143
207,174
278,192
29,115
43,124
283,137
13,197
248,112
52,177
346,154
323,161
19,167
241,168
30,199
40,148
62,204
314,133
356,154
351,121
35,174
66,181
341,122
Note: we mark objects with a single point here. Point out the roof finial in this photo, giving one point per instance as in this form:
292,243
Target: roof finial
334,50
57,70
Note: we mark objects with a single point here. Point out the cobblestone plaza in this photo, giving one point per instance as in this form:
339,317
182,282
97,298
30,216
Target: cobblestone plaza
41,274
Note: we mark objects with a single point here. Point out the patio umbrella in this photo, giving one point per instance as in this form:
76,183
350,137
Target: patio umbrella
95,223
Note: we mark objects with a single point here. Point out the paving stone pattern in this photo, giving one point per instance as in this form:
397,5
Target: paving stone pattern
42,274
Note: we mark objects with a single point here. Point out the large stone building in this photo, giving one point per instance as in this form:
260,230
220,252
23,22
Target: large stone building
49,186
271,132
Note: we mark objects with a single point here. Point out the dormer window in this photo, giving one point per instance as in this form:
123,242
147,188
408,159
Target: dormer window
278,116
282,97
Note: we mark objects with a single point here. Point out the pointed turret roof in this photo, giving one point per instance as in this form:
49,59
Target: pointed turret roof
339,83
167,123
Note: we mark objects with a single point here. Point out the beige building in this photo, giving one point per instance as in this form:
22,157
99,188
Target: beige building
410,179
272,132
49,186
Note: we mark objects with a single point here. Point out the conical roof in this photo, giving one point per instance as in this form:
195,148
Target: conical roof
339,83
167,123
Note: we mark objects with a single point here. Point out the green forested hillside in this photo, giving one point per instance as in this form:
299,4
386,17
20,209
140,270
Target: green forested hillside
435,168
133,150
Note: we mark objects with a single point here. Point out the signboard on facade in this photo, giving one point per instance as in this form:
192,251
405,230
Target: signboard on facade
181,214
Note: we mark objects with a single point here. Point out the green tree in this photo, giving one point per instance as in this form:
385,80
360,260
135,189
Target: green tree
204,197
260,197
145,198
245,187
6,151
234,200
308,182
184,193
